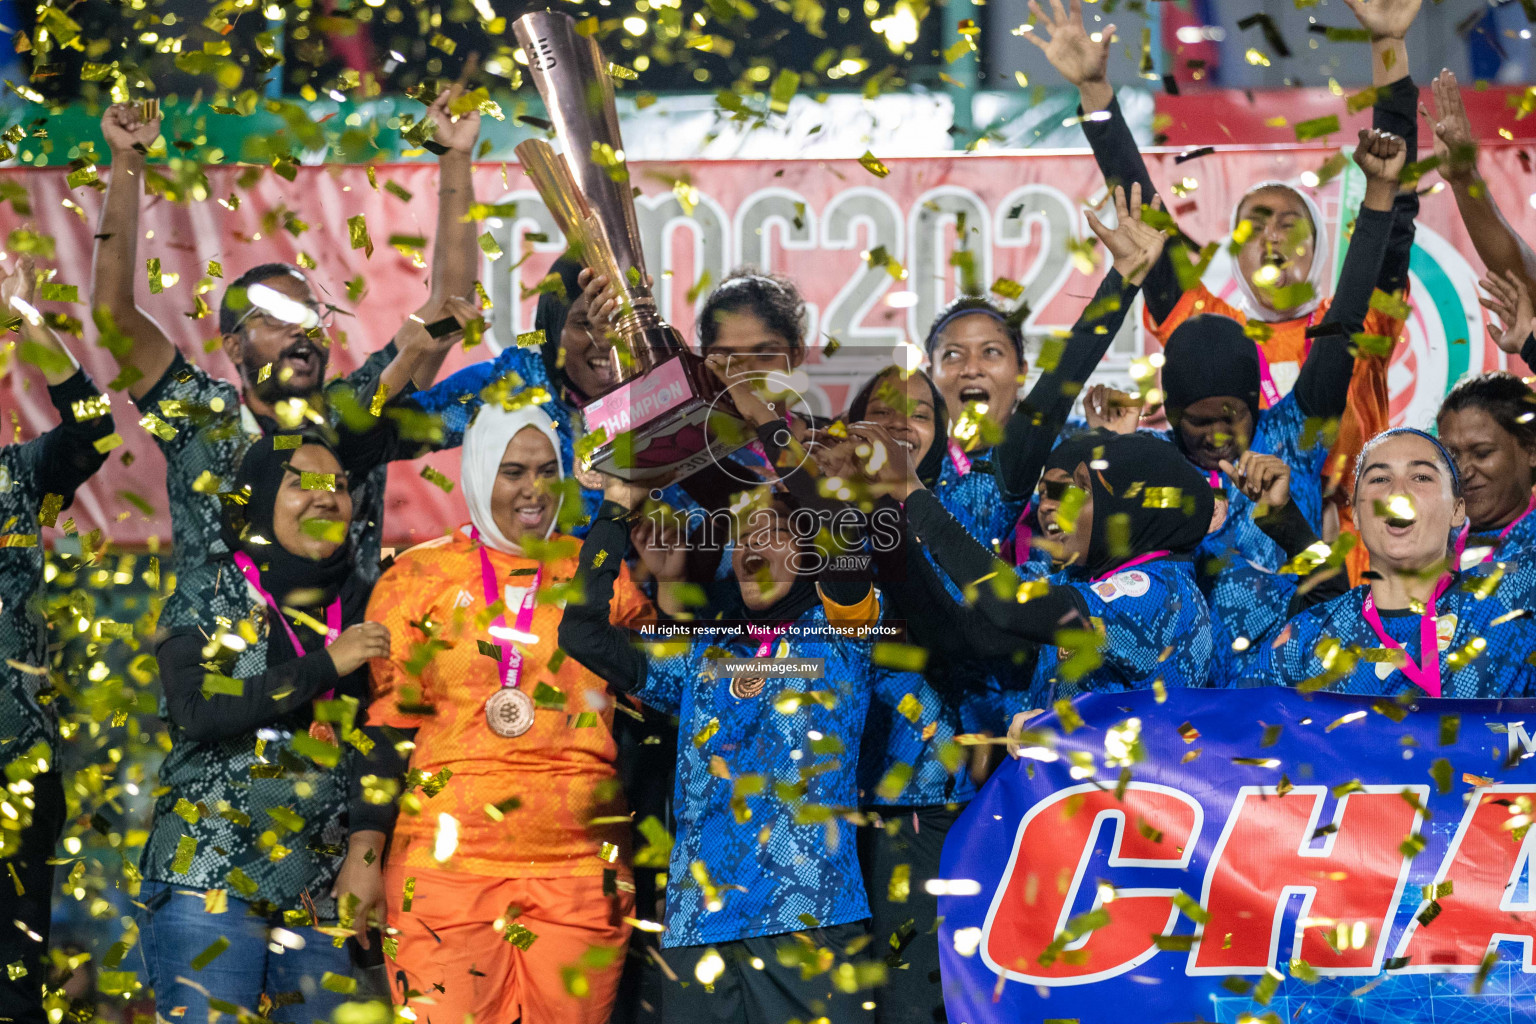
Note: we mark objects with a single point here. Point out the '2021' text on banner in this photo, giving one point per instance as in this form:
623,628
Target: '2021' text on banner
821,222
1250,855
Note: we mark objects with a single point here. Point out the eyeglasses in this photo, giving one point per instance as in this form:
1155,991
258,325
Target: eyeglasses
279,311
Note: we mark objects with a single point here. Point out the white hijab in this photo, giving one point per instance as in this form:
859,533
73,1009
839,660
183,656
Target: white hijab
1249,299
485,444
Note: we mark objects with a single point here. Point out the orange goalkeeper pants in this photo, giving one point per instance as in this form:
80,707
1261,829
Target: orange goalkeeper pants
452,965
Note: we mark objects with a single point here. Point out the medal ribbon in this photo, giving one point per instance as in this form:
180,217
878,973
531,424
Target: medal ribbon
332,617
1138,560
766,636
961,461
1426,674
511,659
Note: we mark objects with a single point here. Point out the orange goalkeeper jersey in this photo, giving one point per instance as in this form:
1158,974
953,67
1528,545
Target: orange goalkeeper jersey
545,804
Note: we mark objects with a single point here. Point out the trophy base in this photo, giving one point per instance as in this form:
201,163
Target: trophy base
673,421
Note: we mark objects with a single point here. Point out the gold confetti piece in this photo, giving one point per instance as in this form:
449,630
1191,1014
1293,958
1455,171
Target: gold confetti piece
48,513
215,949
264,373
408,893
317,481
489,246
380,397
531,339
900,885
436,478
186,849
216,901
357,231
158,427
872,164
895,780
1317,128
333,531
910,708
703,735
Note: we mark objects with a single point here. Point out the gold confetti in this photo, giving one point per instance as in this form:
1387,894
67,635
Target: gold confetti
317,481
357,231
436,478
872,164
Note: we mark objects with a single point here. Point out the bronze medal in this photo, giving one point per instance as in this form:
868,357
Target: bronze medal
747,687
323,732
509,712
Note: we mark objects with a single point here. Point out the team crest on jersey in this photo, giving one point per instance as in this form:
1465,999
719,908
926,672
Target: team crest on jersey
1445,629
1124,584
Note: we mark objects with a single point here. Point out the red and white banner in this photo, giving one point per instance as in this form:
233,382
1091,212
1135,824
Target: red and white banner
815,220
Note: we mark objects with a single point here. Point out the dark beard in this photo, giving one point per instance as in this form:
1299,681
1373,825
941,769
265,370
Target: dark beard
273,390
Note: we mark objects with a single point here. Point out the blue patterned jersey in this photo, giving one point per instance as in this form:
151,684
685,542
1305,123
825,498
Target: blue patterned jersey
1484,651
1519,544
1249,606
1282,431
1152,623
911,726
762,781
456,398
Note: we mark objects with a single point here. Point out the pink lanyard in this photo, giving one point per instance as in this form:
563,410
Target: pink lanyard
1022,535
1138,560
769,635
1215,479
1461,538
957,456
332,614
1427,673
1267,383
511,659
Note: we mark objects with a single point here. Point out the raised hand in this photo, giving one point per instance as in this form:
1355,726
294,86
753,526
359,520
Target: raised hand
1265,479
20,283
456,133
1133,244
1108,409
357,644
884,460
1455,146
1068,45
594,306
1381,155
124,128
1385,19
1510,301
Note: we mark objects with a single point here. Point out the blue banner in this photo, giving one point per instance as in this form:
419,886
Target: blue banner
1249,855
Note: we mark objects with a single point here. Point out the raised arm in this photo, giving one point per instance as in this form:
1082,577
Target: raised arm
147,352
1322,387
1266,480
264,697
1032,429
974,568
1082,58
1393,112
1501,250
67,455
455,254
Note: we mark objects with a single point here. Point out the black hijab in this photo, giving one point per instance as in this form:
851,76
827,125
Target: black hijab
1209,356
292,580
550,315
1146,497
931,462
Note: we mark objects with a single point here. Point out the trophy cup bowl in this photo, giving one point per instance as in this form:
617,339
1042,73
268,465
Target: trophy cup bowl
668,415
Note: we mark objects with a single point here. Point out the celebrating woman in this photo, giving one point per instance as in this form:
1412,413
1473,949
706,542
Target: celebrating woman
764,871
512,879
260,696
1418,626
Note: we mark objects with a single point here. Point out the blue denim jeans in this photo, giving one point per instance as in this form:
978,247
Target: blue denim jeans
175,929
